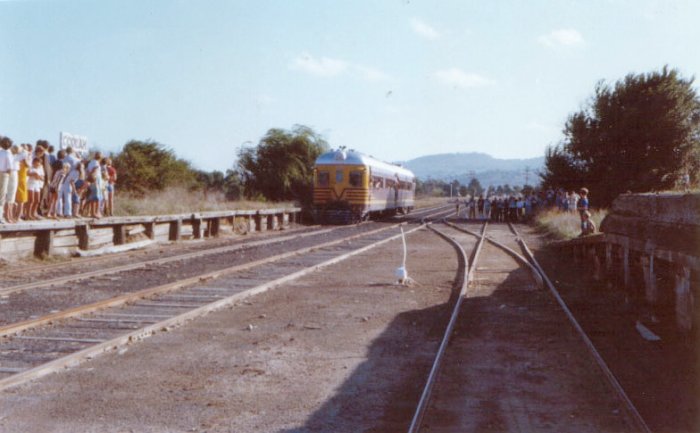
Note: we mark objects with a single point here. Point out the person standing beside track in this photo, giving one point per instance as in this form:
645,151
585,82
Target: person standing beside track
64,205
5,167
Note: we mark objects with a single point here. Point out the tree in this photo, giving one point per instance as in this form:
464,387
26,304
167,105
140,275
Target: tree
474,187
145,165
281,166
642,134
233,187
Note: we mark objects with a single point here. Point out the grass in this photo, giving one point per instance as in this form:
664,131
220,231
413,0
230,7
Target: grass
564,225
428,201
180,200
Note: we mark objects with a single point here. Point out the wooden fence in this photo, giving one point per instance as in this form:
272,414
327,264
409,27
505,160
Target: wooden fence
616,257
51,237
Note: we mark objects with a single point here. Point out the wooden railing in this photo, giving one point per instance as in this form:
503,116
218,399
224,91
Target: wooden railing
48,237
615,257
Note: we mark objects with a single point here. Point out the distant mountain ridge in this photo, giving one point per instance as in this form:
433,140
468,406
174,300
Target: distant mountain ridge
487,169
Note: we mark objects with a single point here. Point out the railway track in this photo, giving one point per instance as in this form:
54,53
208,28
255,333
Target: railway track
69,333
18,277
44,292
517,380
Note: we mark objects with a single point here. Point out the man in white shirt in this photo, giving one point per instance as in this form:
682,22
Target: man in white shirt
95,164
5,168
64,205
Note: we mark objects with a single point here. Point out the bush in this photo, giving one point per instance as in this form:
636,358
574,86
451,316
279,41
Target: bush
564,225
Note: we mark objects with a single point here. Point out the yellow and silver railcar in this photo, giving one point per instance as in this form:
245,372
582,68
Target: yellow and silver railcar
350,187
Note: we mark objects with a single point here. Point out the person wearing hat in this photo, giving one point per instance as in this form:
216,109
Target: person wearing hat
582,204
587,225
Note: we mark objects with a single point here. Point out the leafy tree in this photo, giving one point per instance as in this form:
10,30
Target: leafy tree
233,187
280,167
641,134
146,165
474,187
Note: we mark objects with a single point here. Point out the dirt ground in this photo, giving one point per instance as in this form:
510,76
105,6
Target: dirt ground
335,351
662,378
514,364
342,350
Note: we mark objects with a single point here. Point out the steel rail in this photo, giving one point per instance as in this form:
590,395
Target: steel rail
535,273
147,331
98,259
151,291
14,270
160,261
464,280
633,414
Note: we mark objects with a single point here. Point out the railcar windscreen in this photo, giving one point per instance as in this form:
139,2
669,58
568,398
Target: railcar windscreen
323,178
356,178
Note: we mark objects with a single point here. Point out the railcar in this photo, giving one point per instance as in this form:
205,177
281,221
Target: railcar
351,187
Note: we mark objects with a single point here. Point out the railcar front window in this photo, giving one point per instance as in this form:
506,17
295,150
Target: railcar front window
339,176
323,178
355,178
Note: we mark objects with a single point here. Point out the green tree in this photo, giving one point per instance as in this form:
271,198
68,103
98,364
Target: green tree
642,134
474,187
233,187
280,167
147,165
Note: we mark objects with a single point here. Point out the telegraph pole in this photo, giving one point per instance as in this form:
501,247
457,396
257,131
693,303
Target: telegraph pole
527,175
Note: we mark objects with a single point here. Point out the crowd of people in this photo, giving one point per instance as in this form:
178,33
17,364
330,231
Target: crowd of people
522,207
37,184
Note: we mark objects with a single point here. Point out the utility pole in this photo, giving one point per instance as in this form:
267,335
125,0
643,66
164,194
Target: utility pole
527,175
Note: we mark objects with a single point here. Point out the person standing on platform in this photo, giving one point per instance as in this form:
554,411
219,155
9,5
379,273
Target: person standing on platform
5,167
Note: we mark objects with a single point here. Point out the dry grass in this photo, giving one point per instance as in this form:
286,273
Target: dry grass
181,200
428,201
565,225
178,200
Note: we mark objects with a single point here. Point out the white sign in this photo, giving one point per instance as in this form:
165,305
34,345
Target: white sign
77,142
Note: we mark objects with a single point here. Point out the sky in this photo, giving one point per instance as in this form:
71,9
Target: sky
397,79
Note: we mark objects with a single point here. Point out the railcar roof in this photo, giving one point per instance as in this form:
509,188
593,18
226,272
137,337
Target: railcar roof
352,157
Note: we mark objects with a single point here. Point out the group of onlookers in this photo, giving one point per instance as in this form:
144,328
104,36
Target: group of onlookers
36,184
522,207
511,208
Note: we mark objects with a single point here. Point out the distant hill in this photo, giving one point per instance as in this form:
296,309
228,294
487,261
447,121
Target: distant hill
487,169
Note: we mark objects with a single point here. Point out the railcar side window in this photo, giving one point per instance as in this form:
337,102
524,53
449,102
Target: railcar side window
377,182
323,178
339,176
356,178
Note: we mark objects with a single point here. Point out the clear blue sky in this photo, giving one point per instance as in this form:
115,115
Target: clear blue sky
395,78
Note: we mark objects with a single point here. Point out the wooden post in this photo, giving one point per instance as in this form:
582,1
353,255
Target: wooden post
279,220
83,234
593,256
651,291
213,225
175,230
626,266
43,243
197,228
684,298
258,222
149,230
608,257
119,237
270,222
